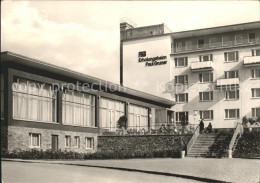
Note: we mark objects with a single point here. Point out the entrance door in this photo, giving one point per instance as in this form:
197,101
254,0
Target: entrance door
55,142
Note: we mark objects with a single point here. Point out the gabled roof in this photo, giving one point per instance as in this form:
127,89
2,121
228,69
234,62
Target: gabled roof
37,64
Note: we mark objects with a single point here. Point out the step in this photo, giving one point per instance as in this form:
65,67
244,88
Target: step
206,154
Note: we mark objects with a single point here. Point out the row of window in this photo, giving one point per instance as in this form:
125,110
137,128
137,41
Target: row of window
209,114
36,139
228,57
208,77
38,102
213,42
208,95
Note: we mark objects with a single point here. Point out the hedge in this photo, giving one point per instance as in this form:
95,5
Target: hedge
248,146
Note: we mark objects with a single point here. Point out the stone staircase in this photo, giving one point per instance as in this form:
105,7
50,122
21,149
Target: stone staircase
213,145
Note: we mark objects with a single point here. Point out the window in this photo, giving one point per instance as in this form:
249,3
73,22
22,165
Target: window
256,112
213,42
231,113
67,141
206,77
89,143
225,40
204,58
255,92
206,96
35,140
77,142
137,117
188,45
78,108
231,56
256,52
200,43
183,97
183,79
251,37
231,74
238,39
255,73
232,95
207,115
181,62
182,116
33,101
178,46
109,113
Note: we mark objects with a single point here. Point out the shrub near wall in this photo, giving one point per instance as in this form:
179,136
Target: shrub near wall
248,145
117,147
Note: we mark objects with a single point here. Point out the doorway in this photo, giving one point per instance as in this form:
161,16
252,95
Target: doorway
54,142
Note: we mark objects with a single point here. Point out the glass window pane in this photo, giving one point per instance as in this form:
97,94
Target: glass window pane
206,96
257,112
181,97
206,114
232,113
257,92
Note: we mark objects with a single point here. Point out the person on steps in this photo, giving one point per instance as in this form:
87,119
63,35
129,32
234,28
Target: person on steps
201,126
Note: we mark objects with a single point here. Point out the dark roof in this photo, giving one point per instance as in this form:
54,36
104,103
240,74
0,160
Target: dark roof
37,64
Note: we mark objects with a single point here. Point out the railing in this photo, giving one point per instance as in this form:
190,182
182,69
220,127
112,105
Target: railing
251,60
193,139
215,45
201,65
230,81
164,129
238,130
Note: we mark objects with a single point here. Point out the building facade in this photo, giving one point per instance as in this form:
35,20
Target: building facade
211,74
48,107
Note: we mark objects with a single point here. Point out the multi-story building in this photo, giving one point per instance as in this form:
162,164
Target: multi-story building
211,74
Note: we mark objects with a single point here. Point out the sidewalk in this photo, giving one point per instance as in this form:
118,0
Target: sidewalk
207,170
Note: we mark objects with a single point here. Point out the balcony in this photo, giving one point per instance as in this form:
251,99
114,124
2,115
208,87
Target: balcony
228,83
252,61
202,66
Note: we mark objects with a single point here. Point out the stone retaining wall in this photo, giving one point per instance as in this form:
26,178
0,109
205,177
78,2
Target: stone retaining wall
19,138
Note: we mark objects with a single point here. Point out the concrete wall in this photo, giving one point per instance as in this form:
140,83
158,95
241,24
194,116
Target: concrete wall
18,138
152,79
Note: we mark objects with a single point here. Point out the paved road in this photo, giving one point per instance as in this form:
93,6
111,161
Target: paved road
42,172
230,170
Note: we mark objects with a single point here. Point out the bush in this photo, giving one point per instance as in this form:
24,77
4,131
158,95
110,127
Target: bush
40,154
248,146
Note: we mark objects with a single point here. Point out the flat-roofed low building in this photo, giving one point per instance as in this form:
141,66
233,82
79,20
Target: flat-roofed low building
44,106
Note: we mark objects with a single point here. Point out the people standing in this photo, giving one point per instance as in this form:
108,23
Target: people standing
210,128
201,126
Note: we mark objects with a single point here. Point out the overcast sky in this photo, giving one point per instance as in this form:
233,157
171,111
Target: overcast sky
84,35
